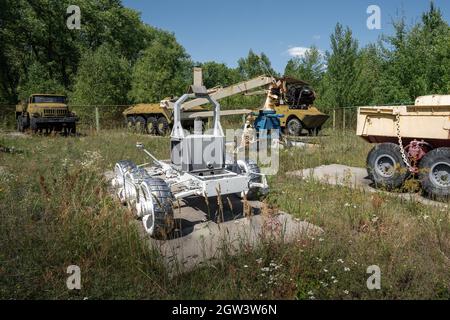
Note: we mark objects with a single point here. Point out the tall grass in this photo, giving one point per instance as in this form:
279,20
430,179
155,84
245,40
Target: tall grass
56,210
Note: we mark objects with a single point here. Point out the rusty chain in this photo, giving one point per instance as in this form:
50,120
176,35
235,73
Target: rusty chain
400,142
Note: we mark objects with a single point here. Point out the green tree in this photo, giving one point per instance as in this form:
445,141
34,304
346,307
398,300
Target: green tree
103,78
418,63
338,83
39,80
36,32
163,70
218,74
309,67
369,71
254,65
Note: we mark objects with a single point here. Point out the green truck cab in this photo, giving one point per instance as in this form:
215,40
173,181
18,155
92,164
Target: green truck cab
48,112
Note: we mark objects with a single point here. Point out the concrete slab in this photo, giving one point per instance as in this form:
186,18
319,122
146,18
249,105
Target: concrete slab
206,230
356,178
14,134
199,240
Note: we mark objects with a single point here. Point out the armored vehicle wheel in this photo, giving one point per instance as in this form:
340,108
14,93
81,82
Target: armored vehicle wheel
435,173
152,124
140,124
294,127
162,126
251,169
130,123
386,167
155,207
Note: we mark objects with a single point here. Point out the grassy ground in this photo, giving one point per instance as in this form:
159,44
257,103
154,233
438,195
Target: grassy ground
55,211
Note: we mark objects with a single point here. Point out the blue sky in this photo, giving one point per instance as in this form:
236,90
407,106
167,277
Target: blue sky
225,30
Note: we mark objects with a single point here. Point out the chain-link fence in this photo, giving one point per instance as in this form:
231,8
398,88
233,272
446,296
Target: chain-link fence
100,116
342,118
94,117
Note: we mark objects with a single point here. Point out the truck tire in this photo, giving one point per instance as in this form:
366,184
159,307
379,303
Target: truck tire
73,129
434,173
20,126
156,209
162,126
140,124
152,124
252,170
130,122
34,126
386,167
294,127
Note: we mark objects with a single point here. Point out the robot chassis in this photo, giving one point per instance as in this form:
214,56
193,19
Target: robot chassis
151,190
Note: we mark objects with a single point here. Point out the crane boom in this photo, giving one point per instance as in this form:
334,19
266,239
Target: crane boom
229,91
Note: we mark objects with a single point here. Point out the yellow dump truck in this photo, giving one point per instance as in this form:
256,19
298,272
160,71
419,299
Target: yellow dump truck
48,112
411,140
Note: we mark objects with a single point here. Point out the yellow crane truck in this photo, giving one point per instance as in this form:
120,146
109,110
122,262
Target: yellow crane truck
48,112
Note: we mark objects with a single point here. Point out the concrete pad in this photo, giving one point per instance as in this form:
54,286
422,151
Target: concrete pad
300,145
356,178
205,230
197,241
14,134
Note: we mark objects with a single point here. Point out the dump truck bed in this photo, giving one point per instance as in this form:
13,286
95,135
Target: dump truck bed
427,120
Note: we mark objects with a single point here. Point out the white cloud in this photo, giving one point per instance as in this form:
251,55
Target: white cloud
316,37
297,51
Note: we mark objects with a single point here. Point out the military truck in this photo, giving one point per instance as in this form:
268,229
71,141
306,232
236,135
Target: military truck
410,140
48,112
294,101
154,118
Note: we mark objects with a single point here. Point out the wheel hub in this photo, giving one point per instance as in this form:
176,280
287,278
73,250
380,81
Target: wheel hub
385,166
293,127
440,174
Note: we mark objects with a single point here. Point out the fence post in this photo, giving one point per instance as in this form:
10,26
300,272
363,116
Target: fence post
334,119
97,119
343,116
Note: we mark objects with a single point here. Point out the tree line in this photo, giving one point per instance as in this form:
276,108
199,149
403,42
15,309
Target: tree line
116,59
